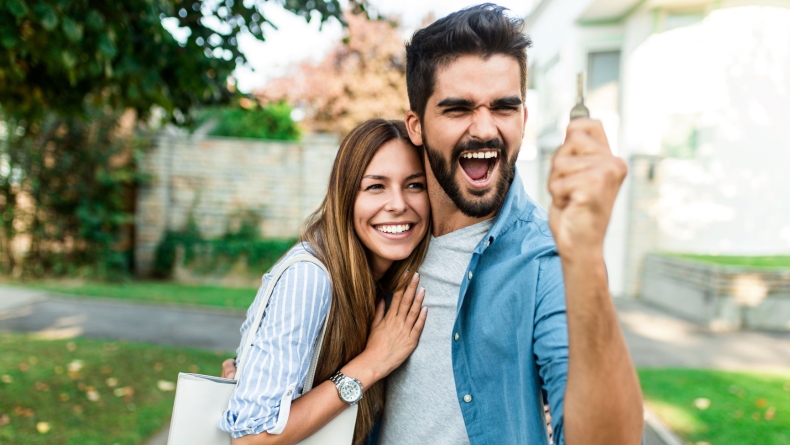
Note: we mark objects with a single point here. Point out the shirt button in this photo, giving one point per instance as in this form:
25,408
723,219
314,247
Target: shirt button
456,336
487,243
467,398
470,274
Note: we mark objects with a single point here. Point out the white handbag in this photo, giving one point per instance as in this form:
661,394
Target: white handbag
201,400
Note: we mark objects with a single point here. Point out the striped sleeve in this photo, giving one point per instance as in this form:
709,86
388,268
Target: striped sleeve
279,360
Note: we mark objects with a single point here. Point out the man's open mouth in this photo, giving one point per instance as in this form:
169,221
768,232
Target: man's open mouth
479,164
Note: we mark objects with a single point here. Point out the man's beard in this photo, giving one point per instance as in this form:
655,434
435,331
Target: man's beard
445,172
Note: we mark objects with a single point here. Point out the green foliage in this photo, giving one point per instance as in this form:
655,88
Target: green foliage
58,55
271,122
90,392
214,256
721,407
69,191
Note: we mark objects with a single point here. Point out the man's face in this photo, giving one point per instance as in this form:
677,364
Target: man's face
472,130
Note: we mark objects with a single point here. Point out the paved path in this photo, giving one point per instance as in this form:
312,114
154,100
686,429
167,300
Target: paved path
659,339
50,316
655,337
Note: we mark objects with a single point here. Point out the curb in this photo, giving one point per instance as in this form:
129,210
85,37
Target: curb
662,432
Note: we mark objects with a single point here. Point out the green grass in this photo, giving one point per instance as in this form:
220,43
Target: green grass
155,292
781,261
89,392
744,408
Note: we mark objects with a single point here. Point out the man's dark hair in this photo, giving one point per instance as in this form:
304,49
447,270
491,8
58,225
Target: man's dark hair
482,30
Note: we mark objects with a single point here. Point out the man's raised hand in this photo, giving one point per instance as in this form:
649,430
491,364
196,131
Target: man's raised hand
584,181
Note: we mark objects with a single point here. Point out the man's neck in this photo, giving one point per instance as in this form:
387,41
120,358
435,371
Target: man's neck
446,216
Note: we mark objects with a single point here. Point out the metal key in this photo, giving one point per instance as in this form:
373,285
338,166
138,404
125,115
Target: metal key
579,110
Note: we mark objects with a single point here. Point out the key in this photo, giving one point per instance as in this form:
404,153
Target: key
579,110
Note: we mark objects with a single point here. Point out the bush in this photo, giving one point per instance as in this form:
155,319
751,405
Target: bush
214,256
272,122
68,186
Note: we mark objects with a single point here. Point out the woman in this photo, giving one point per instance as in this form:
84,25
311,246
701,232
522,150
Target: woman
371,234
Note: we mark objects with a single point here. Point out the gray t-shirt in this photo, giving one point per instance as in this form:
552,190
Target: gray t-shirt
421,404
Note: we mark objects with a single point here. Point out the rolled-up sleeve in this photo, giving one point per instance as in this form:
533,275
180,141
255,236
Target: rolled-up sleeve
551,340
276,370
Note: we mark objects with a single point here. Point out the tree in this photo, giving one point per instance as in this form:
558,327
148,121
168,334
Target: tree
361,78
69,69
58,53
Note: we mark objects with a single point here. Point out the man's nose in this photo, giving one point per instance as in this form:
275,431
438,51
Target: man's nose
483,126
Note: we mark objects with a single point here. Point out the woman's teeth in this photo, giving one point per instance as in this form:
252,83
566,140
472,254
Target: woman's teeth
479,154
394,228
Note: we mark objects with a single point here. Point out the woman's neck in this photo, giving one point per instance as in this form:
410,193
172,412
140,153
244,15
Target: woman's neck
379,267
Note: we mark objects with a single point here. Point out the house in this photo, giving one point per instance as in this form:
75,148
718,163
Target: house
695,94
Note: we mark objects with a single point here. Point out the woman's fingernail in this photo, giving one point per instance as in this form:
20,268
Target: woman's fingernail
232,375
421,292
415,277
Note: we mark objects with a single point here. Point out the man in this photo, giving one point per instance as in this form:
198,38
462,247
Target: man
498,335
505,330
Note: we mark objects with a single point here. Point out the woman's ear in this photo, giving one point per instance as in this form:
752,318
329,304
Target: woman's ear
414,127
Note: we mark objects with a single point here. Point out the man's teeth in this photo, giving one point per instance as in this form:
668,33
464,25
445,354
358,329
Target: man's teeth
394,228
479,154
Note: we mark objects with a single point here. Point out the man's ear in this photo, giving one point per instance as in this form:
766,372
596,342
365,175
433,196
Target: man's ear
414,127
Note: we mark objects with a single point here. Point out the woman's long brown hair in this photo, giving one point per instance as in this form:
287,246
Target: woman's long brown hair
330,233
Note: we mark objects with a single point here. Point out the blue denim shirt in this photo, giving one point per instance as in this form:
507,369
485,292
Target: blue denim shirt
511,351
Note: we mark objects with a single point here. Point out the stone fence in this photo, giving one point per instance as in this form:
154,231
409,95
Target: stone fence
215,181
723,297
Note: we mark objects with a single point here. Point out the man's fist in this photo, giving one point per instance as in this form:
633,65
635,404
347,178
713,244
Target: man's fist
584,181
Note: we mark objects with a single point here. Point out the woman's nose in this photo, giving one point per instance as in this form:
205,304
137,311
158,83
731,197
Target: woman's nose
396,202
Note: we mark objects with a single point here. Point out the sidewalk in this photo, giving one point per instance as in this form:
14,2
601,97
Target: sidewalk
658,339
50,316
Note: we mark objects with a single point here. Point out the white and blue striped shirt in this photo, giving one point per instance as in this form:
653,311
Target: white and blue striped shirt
279,360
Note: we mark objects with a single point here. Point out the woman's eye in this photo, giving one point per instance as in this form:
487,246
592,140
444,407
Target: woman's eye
374,187
417,185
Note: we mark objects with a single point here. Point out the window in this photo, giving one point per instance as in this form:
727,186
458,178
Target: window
603,68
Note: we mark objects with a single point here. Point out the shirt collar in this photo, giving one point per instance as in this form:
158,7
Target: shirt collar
517,204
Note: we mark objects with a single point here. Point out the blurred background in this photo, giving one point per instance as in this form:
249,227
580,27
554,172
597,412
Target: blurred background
156,157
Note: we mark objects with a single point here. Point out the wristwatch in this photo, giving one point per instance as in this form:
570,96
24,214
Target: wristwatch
348,388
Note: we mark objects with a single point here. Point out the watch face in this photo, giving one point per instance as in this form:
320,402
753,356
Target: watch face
350,391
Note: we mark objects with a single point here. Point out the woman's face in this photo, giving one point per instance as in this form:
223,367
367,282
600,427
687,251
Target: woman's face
391,210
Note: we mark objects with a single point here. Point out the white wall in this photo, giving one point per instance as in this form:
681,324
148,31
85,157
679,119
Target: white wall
729,76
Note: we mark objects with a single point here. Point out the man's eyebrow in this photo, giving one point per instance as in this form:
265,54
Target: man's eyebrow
455,102
511,101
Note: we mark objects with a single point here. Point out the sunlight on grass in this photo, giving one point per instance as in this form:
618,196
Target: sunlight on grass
154,292
780,261
90,392
721,407
682,419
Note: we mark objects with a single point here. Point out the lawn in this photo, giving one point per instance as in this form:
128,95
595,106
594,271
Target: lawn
155,292
782,261
89,392
720,407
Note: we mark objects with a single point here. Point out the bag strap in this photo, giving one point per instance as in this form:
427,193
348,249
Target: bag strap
265,294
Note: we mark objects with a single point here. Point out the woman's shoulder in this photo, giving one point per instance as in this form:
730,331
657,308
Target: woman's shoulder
296,261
